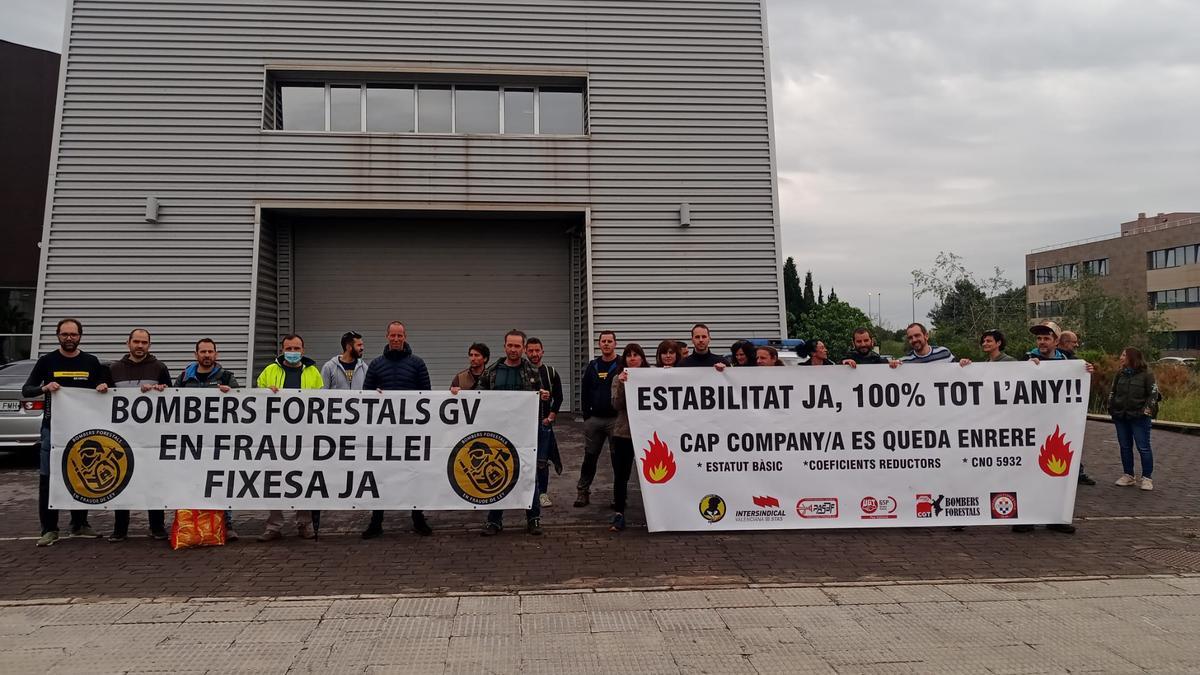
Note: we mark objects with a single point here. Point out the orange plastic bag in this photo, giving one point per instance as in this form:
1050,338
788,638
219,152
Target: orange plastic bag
195,527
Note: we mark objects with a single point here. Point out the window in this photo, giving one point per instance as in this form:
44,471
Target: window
391,109
1050,275
1173,257
1096,268
16,323
301,107
1176,298
1185,339
1046,309
425,105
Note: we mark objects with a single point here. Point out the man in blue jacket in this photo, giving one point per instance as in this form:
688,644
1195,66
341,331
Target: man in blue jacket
398,369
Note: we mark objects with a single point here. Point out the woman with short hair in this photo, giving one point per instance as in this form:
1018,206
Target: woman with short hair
621,450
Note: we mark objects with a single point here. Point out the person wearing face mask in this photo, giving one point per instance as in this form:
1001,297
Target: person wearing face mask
291,370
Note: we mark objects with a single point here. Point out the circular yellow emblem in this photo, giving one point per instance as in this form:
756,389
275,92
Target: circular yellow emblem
97,465
483,468
712,508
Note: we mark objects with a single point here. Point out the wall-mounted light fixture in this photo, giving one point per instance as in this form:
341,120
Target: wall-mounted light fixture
151,210
685,214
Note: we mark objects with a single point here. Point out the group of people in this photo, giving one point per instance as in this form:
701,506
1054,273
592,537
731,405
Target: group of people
521,368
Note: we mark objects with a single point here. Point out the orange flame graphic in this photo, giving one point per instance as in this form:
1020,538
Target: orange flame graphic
1055,458
658,466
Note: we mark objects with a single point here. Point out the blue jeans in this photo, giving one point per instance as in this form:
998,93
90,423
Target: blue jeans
545,438
46,516
1131,431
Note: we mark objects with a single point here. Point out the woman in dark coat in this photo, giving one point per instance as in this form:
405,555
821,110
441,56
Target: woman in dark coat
1132,404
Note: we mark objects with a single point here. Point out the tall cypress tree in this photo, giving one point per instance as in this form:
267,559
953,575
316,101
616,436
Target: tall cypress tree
832,295
793,297
820,295
810,299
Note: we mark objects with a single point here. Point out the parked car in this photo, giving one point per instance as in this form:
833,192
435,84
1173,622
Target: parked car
1176,361
789,349
20,417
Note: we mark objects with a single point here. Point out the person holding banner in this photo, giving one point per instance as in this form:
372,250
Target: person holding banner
477,358
548,413
1046,335
820,355
922,351
701,357
397,369
514,372
139,368
290,370
346,371
992,342
864,351
595,397
67,366
205,372
767,356
622,444
669,354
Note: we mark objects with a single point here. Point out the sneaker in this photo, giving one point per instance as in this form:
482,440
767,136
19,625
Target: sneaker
1125,480
534,527
230,534
305,532
544,500
421,527
1022,528
48,539
1059,527
372,533
160,535
618,523
1085,479
582,499
1147,484
270,535
115,538
85,532
490,529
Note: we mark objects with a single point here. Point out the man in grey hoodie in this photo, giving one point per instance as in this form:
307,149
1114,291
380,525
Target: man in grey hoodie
346,370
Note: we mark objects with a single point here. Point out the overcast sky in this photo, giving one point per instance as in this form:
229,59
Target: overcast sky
985,128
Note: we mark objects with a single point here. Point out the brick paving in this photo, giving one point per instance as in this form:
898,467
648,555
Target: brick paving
1121,533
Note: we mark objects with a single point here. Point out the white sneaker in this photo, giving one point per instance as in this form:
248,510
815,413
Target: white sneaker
544,500
1147,484
1125,480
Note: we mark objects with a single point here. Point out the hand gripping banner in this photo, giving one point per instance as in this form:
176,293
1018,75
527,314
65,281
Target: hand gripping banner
915,446
329,450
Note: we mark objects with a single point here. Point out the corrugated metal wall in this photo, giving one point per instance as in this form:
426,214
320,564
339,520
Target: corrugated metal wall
165,99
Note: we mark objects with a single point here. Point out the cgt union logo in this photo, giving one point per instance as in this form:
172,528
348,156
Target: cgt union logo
878,508
817,507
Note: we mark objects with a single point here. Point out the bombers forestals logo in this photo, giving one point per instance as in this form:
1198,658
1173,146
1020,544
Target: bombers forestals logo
712,508
483,468
97,465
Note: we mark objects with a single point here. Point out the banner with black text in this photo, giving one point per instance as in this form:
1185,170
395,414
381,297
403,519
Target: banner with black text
316,449
873,446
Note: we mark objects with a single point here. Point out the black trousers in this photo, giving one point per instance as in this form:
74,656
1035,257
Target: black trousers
158,522
49,516
622,465
418,516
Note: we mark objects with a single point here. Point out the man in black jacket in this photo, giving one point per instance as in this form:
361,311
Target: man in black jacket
204,373
66,366
398,369
701,357
595,397
864,352
547,443
141,370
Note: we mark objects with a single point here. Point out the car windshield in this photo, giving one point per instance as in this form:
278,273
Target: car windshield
13,375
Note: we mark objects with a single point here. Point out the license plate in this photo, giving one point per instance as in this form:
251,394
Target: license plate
10,406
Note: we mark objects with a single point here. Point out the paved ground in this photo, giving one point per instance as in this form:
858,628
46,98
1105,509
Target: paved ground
1111,626
1121,532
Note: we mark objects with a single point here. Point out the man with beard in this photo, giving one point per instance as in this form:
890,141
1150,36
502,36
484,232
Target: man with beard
139,369
477,359
66,366
547,443
864,352
206,372
346,370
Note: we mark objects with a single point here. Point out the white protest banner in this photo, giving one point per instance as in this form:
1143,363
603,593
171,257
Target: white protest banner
830,447
315,449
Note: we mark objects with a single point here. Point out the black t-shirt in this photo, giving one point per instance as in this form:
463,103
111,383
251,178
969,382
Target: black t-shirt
698,360
202,378
82,371
348,368
291,377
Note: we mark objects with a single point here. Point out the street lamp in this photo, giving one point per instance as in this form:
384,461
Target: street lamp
912,285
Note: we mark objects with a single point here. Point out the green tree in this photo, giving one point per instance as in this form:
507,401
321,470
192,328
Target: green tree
832,295
966,306
793,296
1109,322
810,299
832,322
820,296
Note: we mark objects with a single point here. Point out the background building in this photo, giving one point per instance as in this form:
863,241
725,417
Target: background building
1155,260
29,80
248,170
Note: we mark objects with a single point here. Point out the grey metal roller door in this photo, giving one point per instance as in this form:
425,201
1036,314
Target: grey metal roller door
450,283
